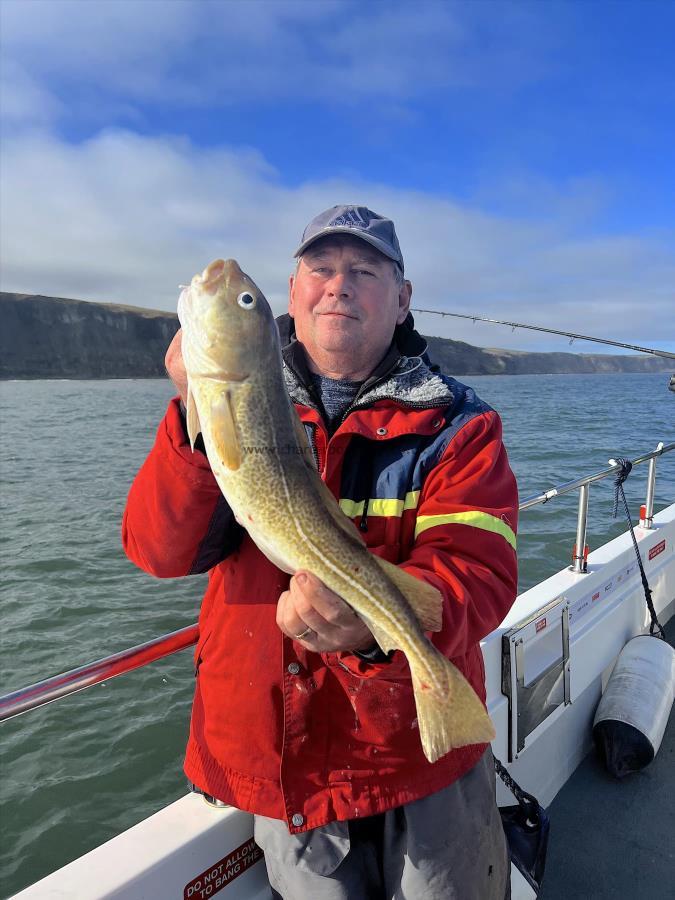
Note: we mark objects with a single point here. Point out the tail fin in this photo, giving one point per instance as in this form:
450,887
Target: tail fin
448,718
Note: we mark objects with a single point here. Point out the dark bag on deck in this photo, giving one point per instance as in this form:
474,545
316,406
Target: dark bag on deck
526,826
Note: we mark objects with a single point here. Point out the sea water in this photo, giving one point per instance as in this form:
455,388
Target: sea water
81,770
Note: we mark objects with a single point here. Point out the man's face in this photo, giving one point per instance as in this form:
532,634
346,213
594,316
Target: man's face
345,299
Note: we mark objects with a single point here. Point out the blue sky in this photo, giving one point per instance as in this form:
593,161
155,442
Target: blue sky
524,149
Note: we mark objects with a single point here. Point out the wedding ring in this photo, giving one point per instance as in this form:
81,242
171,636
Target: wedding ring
301,637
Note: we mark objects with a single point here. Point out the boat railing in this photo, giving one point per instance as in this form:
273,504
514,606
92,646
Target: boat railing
583,485
50,689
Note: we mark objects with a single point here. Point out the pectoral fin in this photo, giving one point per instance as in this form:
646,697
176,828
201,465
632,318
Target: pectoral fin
426,601
224,435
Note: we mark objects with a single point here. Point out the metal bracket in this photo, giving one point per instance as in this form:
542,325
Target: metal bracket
532,701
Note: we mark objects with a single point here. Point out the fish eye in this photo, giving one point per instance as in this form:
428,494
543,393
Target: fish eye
246,300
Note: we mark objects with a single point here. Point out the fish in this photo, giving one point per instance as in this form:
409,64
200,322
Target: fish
261,458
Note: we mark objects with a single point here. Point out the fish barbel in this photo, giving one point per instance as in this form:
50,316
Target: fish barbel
261,459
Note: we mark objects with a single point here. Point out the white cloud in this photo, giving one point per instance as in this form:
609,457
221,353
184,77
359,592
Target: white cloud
124,218
24,101
109,57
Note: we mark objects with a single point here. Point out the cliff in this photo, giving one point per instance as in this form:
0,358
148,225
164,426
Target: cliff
53,337
455,356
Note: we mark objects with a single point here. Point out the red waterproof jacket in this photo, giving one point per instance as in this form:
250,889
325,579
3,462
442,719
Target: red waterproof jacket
420,466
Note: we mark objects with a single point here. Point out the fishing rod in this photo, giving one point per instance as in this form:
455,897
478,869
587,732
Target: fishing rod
573,337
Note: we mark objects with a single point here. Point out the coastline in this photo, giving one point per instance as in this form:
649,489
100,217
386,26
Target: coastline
60,338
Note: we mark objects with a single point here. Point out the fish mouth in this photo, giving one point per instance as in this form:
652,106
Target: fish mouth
217,272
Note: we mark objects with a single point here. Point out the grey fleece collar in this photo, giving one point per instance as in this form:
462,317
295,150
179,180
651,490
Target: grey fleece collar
411,383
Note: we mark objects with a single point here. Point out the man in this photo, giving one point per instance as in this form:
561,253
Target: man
298,716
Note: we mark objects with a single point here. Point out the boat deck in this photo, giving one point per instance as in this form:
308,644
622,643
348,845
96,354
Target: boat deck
613,840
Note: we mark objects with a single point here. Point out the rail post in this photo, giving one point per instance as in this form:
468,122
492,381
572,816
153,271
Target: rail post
580,553
647,509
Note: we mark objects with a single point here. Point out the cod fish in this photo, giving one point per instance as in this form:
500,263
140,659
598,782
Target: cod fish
260,456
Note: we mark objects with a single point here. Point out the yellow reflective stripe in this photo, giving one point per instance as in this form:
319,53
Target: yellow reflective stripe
474,518
384,507
380,506
351,508
412,498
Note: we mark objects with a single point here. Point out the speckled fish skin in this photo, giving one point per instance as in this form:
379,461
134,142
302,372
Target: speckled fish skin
261,460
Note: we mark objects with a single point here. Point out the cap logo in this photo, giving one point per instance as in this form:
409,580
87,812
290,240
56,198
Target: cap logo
364,224
351,219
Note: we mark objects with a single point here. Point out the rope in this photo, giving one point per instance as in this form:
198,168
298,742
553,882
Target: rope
528,803
625,469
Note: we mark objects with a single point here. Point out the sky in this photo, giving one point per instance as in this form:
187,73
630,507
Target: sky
525,151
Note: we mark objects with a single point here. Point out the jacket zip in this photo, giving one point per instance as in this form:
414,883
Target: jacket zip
315,449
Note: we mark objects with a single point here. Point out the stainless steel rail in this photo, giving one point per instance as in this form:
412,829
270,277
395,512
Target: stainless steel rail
94,673
58,686
568,486
580,551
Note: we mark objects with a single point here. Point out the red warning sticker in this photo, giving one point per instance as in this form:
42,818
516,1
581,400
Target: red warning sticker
657,548
540,625
220,874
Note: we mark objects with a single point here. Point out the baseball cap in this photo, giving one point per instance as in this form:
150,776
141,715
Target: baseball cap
360,222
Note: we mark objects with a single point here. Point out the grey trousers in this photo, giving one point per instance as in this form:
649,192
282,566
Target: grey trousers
448,846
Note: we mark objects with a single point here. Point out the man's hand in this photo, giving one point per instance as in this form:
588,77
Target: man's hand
308,603
175,366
